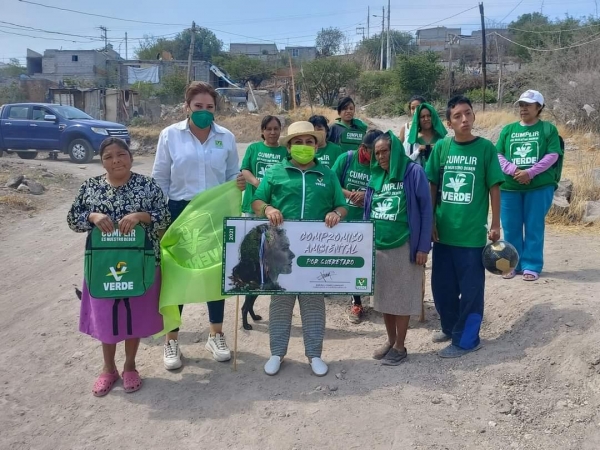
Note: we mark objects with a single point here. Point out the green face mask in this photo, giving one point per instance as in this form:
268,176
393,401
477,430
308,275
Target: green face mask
302,154
202,119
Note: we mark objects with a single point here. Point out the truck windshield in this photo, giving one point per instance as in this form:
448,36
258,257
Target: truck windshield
69,112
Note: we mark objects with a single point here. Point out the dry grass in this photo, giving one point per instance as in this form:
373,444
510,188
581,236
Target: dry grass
495,118
17,201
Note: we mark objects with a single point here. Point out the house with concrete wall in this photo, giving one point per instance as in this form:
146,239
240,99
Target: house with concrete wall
259,51
435,39
83,67
302,54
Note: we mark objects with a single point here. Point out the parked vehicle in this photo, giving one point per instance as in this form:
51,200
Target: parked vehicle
236,96
29,128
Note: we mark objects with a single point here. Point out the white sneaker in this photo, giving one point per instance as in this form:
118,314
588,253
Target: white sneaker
272,366
218,347
319,367
172,356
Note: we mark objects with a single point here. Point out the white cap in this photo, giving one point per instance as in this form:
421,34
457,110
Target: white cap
531,96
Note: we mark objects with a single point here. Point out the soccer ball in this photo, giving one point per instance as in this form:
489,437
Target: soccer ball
500,257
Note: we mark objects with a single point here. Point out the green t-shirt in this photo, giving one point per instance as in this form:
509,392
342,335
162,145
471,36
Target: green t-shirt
356,179
329,154
524,146
470,171
388,211
301,195
258,158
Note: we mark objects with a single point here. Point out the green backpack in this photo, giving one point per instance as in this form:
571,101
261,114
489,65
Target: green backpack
117,265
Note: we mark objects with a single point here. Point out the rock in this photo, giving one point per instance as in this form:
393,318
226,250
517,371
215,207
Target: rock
14,181
591,212
34,187
596,177
491,423
23,188
48,175
333,388
436,401
560,205
565,189
588,109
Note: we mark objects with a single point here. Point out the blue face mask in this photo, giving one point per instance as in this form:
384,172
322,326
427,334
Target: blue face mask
202,119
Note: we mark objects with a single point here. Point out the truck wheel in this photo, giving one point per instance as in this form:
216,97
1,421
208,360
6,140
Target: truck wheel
80,151
27,155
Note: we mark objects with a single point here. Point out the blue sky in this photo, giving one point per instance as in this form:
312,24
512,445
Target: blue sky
285,23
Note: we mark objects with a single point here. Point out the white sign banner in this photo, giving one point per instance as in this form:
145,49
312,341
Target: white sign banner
297,257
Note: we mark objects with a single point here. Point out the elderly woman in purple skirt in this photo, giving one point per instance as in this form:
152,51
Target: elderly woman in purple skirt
120,199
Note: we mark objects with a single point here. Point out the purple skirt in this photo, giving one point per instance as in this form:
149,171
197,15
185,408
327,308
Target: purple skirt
114,320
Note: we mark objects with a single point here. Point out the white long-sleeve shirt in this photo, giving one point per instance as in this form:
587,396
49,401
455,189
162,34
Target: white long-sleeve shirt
184,167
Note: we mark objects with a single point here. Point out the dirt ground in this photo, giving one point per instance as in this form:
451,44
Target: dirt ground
535,384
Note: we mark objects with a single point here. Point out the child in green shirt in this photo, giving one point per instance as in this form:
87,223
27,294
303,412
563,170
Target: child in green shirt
464,175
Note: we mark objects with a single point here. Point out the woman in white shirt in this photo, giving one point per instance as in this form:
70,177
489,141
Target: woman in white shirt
192,156
413,103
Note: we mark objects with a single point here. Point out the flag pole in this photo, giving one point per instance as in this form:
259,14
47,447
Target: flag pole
235,339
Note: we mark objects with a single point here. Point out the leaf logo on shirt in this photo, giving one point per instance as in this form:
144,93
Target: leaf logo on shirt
262,171
523,150
219,144
457,182
384,206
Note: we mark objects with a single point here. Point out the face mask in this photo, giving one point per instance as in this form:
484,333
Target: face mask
302,154
202,119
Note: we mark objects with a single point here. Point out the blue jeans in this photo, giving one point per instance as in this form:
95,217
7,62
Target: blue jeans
523,215
458,285
216,309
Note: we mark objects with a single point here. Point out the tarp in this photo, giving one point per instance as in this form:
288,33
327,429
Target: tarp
142,74
192,252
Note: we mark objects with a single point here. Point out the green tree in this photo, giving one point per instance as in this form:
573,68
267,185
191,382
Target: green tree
173,87
418,74
329,41
206,45
369,50
242,69
12,69
325,76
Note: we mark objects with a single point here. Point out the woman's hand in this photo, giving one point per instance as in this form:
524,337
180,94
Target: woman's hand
421,258
274,215
332,219
357,198
128,223
102,221
240,181
522,177
494,233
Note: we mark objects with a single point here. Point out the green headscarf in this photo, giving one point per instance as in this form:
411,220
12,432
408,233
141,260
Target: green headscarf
398,164
438,127
359,124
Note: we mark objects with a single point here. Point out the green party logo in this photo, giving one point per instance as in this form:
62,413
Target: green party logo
525,154
458,187
386,209
117,272
320,182
219,144
361,284
199,248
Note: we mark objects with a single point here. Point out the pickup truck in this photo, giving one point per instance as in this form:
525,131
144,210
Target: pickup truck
28,128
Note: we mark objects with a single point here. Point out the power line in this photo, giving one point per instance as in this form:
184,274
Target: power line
553,31
511,11
550,49
46,38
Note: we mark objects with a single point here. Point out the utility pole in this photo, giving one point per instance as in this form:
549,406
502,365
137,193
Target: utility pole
369,20
104,36
388,61
191,54
500,69
293,83
452,40
382,32
483,53
126,49
361,30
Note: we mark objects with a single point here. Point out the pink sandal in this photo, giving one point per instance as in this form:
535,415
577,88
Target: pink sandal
131,381
104,383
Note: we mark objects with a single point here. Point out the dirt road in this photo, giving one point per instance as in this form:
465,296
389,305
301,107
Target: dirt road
534,385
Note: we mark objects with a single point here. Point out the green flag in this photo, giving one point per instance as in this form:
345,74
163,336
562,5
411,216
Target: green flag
192,252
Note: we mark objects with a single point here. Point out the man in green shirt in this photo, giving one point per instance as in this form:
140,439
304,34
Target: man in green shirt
464,175
300,188
353,169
